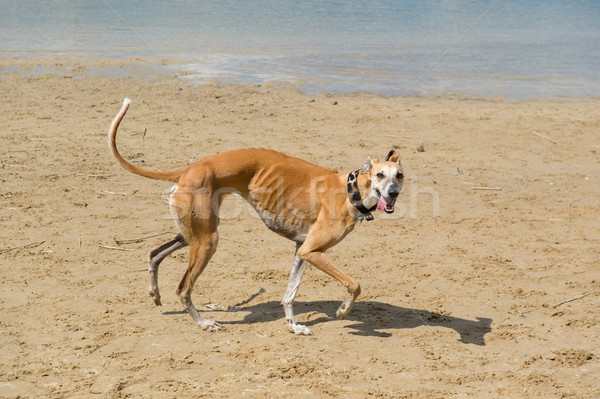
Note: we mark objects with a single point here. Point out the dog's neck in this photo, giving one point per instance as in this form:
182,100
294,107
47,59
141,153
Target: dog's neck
360,195
369,197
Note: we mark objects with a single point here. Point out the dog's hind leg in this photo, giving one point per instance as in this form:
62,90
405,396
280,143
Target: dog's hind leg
288,299
200,253
197,212
156,256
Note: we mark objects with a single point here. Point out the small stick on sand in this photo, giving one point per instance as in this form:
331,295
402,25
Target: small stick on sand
487,188
544,137
136,240
542,220
118,193
397,137
576,298
115,248
27,150
32,245
88,175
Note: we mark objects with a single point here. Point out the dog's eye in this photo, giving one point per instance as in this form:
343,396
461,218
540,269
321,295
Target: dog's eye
399,176
380,175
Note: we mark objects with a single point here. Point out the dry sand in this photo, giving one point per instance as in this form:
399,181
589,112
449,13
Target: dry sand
458,300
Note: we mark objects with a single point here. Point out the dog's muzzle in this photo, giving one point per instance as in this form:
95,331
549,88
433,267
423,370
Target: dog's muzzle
387,205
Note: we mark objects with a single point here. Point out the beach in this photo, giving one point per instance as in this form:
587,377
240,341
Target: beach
483,283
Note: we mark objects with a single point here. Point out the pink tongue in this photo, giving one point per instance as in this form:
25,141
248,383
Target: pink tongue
381,204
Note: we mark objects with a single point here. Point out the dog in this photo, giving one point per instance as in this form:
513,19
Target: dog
311,205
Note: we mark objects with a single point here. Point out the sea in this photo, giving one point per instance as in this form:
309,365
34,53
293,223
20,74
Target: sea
472,48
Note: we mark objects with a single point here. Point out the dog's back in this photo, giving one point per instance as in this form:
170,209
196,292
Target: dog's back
284,190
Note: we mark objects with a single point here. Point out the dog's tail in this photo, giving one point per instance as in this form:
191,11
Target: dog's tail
112,134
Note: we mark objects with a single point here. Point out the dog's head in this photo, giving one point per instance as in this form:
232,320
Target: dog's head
386,180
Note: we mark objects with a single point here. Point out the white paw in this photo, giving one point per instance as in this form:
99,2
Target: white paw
299,329
210,325
155,295
343,310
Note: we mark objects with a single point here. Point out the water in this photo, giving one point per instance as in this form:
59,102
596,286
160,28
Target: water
475,48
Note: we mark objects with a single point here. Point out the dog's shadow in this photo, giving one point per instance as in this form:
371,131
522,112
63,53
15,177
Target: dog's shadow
370,318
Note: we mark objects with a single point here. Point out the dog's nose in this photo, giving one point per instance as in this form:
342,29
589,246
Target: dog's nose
393,192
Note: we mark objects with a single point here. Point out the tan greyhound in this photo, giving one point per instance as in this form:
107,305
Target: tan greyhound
311,205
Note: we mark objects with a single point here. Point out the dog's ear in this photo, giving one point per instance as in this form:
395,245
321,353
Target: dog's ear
393,156
370,162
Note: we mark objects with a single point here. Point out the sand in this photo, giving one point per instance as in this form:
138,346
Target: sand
462,286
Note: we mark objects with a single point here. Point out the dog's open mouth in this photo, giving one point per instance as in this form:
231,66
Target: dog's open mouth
386,206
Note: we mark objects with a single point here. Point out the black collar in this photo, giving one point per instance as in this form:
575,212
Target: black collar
355,199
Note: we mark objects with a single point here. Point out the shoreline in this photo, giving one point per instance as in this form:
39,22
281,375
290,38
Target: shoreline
149,68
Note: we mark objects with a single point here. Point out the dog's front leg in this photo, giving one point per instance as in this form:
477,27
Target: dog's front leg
288,299
319,260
